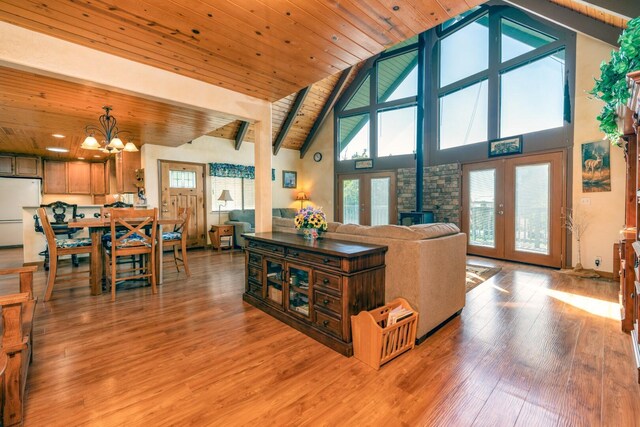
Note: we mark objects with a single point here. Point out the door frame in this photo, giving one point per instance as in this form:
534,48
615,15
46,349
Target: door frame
204,190
365,194
565,196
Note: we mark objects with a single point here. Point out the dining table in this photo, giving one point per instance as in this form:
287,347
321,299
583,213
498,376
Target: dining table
97,227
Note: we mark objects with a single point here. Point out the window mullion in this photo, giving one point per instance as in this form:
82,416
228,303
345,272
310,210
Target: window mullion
373,115
493,115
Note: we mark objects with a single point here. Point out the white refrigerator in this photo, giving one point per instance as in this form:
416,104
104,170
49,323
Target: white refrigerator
15,193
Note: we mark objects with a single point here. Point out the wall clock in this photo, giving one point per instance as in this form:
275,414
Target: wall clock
317,156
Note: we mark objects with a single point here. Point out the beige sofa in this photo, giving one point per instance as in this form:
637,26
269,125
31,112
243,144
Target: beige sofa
425,264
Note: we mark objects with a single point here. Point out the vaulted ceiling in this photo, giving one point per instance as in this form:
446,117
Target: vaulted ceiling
270,49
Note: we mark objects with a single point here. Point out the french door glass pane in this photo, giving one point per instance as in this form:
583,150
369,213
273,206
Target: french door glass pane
351,201
482,211
380,201
532,208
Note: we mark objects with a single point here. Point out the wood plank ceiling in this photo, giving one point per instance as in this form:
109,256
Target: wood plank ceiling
269,49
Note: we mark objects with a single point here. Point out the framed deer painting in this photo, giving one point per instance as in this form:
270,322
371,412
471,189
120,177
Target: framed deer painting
596,167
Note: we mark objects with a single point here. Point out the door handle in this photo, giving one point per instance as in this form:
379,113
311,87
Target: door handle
500,212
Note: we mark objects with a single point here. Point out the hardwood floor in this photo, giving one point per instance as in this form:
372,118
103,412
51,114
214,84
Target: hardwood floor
532,348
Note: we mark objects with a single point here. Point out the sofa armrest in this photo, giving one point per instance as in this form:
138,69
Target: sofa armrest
242,227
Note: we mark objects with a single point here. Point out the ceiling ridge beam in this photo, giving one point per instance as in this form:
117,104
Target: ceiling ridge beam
570,19
326,109
625,9
242,131
293,112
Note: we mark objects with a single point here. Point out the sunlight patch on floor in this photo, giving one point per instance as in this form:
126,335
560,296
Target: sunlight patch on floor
598,307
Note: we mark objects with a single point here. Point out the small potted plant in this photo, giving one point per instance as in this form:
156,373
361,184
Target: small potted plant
311,222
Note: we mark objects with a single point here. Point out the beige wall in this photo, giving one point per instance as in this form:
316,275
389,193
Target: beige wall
318,177
207,149
603,211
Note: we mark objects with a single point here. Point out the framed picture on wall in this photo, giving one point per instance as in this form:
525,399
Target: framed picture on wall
505,146
289,179
596,167
364,164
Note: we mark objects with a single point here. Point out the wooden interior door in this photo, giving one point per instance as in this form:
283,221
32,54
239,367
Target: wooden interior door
512,208
182,186
367,199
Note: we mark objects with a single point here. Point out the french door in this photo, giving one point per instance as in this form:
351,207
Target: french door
512,208
367,199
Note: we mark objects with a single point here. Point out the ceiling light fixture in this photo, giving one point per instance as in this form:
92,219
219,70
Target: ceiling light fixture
111,142
57,135
58,149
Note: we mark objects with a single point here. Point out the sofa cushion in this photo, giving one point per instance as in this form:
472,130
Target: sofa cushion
438,229
283,222
248,215
333,226
288,212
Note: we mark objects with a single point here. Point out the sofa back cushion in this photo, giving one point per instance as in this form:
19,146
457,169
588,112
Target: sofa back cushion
288,212
248,215
401,232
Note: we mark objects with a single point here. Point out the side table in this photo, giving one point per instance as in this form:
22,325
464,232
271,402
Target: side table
216,234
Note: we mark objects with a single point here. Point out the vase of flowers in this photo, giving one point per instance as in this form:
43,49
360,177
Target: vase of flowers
311,222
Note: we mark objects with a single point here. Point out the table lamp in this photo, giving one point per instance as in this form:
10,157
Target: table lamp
225,197
302,196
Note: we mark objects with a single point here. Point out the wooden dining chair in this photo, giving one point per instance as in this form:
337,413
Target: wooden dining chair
59,247
104,209
138,238
178,239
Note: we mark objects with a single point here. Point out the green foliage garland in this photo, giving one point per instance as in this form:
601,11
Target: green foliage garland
611,87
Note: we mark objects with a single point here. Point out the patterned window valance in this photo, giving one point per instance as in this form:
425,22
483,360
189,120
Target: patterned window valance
229,170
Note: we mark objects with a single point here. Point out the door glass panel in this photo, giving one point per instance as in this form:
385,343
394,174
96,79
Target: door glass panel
380,201
182,179
275,274
482,214
299,291
351,201
532,208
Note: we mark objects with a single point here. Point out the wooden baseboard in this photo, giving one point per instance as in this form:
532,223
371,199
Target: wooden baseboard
605,274
38,263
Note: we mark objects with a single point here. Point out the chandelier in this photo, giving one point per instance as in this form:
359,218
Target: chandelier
111,142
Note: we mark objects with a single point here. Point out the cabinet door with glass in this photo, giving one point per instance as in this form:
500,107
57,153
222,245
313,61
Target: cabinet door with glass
299,290
274,274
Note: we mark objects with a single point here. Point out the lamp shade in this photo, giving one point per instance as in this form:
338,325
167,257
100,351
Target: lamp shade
225,196
130,147
302,196
90,143
116,143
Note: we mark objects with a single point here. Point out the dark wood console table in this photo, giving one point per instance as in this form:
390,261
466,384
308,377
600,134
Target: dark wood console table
314,286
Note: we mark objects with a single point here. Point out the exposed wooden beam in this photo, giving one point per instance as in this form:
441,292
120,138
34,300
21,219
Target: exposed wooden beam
626,9
242,131
570,19
328,106
293,112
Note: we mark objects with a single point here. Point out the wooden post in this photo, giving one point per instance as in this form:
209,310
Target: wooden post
263,184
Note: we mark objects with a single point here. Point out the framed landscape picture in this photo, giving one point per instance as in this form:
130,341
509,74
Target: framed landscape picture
596,167
289,179
505,146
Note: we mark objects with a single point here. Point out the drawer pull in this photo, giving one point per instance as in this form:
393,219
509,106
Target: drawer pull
325,281
295,253
326,260
325,323
275,249
325,301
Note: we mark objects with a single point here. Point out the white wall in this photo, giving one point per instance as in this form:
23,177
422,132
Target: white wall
207,149
318,177
604,211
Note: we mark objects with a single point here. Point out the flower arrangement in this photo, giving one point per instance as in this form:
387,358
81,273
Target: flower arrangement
312,221
612,87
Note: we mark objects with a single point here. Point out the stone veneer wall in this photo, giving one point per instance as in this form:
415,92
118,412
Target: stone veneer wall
442,191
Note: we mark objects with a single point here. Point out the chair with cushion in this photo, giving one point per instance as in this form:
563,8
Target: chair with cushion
18,310
111,205
178,238
61,213
133,232
60,247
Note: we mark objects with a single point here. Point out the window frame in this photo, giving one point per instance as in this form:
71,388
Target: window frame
542,140
214,197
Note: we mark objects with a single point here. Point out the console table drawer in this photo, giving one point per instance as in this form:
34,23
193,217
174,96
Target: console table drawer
328,302
329,324
266,247
255,273
328,281
316,258
255,259
255,288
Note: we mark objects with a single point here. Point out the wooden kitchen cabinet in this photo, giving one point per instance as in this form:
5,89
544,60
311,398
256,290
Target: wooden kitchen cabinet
7,165
78,178
126,165
99,179
27,166
55,177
